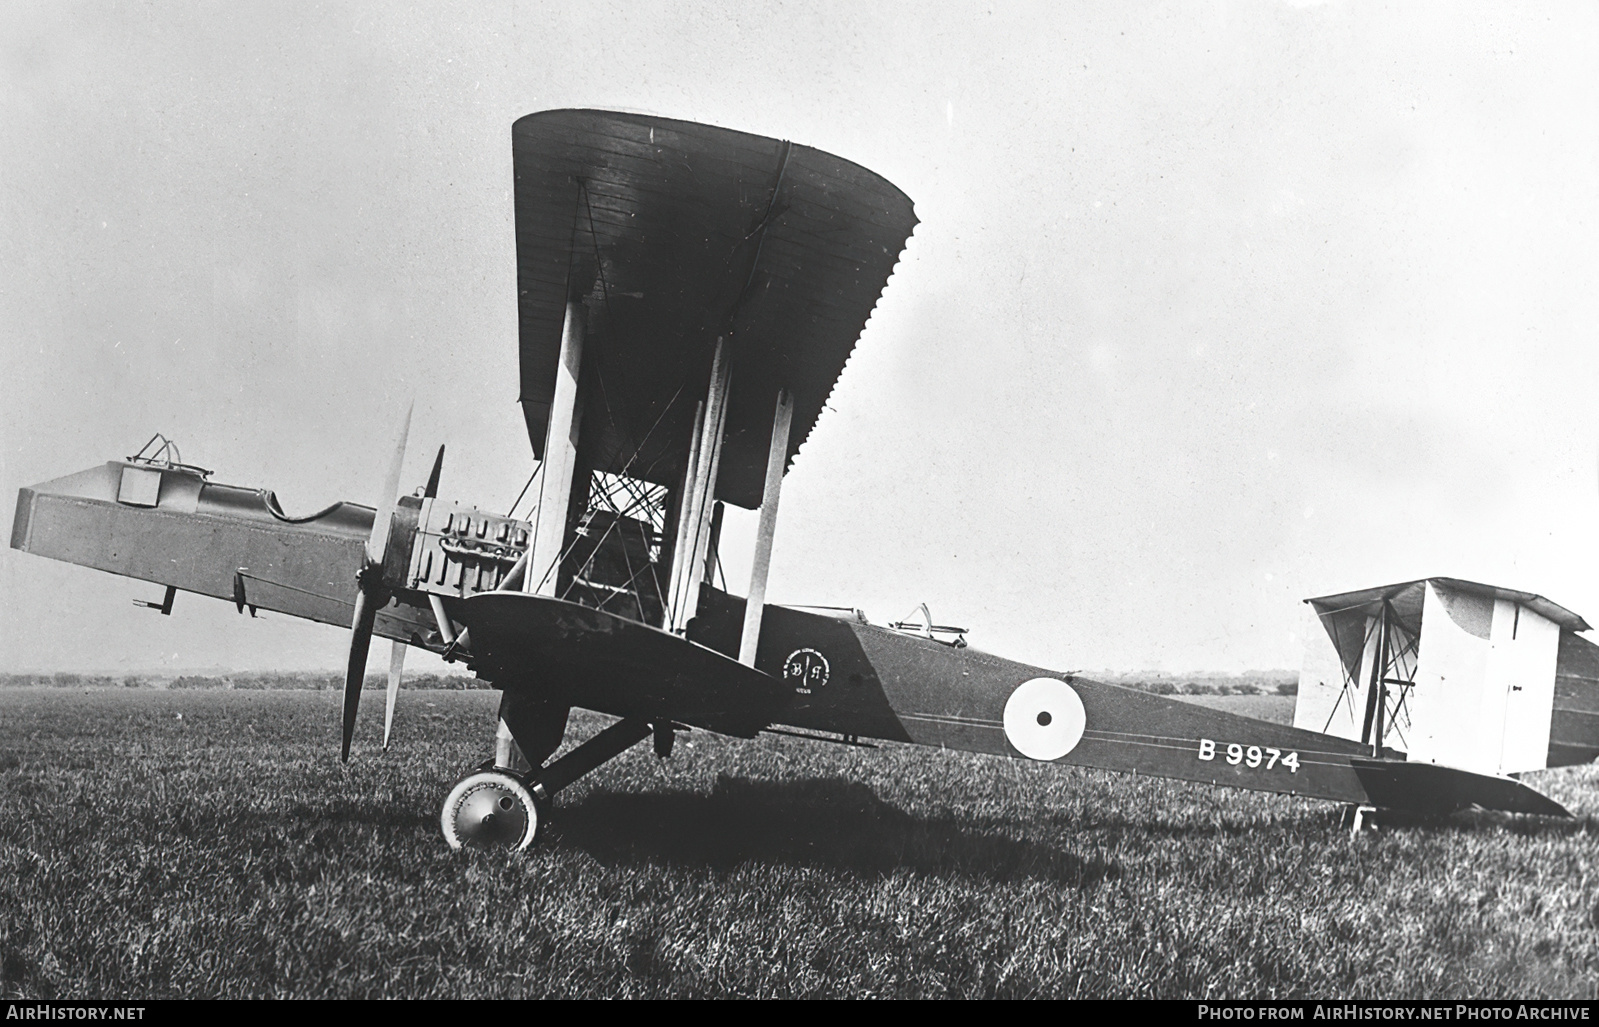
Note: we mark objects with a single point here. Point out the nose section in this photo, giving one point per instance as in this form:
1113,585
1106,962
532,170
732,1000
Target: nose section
46,513
165,523
73,518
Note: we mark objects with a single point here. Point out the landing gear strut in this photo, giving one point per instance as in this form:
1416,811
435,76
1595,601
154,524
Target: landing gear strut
499,808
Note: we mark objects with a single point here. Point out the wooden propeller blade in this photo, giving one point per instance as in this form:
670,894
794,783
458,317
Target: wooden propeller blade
366,613
382,521
396,669
432,489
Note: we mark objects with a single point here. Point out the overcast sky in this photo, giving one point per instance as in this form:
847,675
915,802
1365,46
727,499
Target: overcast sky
1212,307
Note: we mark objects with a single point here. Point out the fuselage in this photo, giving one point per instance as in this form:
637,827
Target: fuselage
832,674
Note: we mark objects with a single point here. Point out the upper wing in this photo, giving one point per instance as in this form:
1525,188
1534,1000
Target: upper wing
675,233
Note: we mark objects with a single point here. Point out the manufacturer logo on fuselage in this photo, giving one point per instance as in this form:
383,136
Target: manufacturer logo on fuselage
805,670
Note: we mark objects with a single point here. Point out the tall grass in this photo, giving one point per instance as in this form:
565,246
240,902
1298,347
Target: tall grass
209,844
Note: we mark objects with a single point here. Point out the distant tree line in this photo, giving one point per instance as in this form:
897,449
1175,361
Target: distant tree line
309,680
1264,682
1276,682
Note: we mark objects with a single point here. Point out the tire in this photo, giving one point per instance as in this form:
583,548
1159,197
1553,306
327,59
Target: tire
490,809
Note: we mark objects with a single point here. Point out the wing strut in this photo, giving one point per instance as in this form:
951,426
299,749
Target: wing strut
777,455
560,458
699,490
685,513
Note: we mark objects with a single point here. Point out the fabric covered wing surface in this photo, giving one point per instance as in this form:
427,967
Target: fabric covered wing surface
673,233
603,662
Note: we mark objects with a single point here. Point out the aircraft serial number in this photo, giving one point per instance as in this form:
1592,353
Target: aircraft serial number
1249,755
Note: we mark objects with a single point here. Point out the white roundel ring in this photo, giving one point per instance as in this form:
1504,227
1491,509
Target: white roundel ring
1044,719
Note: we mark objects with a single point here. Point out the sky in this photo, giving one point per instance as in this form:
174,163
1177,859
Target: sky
1212,307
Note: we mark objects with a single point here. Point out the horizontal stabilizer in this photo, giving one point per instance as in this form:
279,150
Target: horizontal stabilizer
1430,788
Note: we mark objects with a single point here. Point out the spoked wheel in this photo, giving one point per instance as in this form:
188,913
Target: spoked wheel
490,809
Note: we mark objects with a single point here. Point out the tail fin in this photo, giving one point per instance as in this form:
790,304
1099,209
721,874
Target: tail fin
1574,721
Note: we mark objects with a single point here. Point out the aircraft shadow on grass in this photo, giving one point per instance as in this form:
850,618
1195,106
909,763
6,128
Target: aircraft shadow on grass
1483,821
1316,821
815,822
839,824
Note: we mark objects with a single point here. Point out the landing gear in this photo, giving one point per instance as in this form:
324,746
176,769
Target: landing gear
496,808
490,809
1359,818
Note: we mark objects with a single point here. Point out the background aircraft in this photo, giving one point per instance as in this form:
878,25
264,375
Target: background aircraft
688,295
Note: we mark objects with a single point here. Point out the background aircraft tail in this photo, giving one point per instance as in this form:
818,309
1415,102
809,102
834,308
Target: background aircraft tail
1452,673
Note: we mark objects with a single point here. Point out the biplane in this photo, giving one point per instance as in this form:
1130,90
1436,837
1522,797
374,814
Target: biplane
688,295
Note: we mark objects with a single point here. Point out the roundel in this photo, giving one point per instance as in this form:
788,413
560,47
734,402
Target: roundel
1044,719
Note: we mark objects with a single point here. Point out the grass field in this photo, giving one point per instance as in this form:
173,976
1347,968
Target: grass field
208,843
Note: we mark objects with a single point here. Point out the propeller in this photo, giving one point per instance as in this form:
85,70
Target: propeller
370,594
396,668
431,489
397,655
